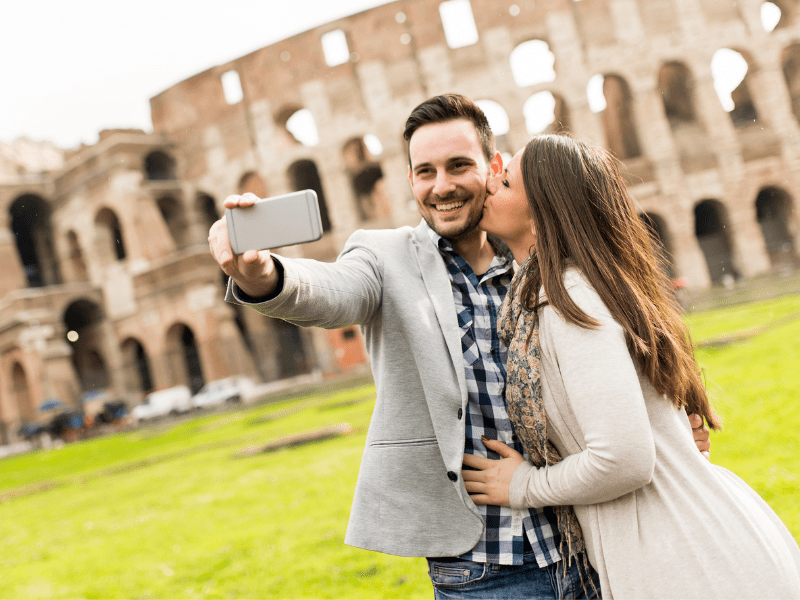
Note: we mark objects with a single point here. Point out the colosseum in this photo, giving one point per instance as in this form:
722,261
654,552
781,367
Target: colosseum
108,286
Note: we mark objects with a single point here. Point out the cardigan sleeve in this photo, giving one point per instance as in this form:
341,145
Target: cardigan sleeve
599,393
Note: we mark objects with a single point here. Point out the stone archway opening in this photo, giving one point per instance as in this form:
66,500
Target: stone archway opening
109,233
304,175
774,210
498,123
83,321
729,70
790,61
366,178
206,207
545,112
30,223
174,215
662,242
158,165
136,366
532,62
21,394
183,358
611,96
710,227
298,124
293,358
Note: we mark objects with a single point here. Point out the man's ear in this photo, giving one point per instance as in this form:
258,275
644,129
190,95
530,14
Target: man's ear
410,176
497,164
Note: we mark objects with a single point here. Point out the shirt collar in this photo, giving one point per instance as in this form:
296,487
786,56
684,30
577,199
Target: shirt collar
502,253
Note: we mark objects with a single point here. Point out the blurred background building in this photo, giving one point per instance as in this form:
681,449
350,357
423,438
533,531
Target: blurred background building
107,286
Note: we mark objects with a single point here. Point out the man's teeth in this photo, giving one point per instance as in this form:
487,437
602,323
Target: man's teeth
449,206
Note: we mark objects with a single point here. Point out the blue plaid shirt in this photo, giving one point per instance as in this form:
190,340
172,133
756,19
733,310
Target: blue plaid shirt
478,301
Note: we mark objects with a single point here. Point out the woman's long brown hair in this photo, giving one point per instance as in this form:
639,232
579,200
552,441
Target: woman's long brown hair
585,218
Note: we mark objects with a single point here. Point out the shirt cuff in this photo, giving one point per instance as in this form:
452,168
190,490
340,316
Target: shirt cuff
243,298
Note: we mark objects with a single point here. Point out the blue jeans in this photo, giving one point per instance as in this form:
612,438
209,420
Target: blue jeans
457,579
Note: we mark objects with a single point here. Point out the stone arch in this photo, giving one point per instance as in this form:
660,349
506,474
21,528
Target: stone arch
22,394
206,207
618,121
75,257
252,182
498,122
662,241
790,61
83,323
183,357
774,210
532,62
293,358
110,241
174,215
677,93
158,165
676,85
786,11
711,229
366,178
136,366
545,112
298,125
304,175
31,224
734,95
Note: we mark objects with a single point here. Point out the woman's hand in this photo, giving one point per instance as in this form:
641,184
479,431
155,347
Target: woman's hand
490,482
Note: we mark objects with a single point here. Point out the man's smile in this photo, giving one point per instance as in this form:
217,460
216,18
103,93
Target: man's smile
449,206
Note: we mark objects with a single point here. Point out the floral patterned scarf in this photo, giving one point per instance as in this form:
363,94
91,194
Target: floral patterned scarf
519,331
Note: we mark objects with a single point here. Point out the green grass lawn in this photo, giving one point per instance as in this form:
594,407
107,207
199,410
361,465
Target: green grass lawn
175,511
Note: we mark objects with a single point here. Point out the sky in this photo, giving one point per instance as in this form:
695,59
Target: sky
73,67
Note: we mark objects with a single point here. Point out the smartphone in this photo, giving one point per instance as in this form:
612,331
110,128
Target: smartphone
274,222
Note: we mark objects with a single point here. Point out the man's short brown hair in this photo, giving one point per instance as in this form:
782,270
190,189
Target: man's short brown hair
450,107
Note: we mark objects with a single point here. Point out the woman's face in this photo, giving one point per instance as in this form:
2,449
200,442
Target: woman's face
505,212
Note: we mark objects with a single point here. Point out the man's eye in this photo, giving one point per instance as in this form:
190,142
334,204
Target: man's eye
505,183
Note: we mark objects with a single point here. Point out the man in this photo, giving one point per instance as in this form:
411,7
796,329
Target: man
428,300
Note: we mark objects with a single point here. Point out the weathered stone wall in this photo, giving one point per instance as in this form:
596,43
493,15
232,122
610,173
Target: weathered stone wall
399,57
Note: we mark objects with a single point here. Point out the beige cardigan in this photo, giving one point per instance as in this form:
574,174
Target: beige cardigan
660,521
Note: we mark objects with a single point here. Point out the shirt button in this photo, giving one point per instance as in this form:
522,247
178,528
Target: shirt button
460,413
452,476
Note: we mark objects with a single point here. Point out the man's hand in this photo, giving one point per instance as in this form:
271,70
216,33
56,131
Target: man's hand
490,483
701,435
254,272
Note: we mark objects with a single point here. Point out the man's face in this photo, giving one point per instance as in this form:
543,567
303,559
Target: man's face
448,175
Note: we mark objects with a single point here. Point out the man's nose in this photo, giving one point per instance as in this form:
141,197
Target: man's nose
444,184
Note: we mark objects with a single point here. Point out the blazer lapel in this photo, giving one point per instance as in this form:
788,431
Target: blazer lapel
440,292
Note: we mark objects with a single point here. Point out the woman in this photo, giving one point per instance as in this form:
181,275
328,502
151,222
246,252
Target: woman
601,367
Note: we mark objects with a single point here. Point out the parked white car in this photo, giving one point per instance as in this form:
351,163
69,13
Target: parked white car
172,400
230,389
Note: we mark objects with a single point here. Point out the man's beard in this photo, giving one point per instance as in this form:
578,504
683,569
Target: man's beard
468,228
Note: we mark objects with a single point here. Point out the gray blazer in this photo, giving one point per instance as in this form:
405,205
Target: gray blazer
410,498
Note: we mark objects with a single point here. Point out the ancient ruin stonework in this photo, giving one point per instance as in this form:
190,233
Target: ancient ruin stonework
112,245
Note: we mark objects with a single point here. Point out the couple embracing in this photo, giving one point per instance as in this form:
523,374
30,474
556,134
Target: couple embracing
530,434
